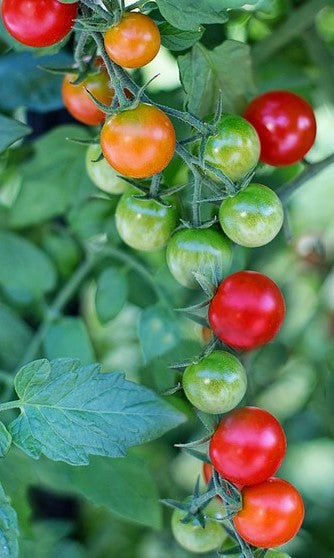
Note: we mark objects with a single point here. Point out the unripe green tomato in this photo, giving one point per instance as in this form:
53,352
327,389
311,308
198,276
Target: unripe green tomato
205,251
144,224
276,554
102,174
196,539
234,149
253,217
216,384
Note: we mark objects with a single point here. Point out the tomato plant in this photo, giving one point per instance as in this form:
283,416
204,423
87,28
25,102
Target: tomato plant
248,446
253,217
272,513
134,41
216,384
204,251
38,23
286,126
139,142
247,310
102,174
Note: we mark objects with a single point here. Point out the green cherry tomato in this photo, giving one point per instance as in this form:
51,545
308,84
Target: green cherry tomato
203,250
276,554
195,538
253,217
102,174
235,148
144,224
216,384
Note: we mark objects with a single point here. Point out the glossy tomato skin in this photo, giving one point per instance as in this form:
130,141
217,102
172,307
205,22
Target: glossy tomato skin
193,537
248,446
134,41
286,126
216,384
205,251
139,142
253,217
144,224
235,148
247,310
102,174
38,23
271,515
78,102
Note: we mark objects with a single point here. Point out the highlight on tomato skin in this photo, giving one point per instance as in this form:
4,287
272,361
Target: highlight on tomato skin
38,23
272,513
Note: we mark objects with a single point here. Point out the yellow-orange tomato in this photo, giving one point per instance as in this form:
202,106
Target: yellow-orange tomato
78,102
138,142
134,41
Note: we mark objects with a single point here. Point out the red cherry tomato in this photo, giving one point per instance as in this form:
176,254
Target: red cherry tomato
285,124
38,23
78,102
271,515
138,142
247,310
248,446
134,41
207,474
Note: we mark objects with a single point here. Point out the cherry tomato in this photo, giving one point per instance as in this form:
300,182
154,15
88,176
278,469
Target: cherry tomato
253,217
235,148
205,251
138,142
216,384
77,101
144,224
102,174
207,472
285,124
134,41
248,446
38,23
195,538
247,310
271,515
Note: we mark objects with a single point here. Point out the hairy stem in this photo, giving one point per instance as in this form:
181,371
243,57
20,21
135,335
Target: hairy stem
309,172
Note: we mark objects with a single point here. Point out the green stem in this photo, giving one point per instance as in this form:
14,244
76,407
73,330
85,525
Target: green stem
300,19
10,405
79,50
63,297
309,172
155,185
112,70
195,206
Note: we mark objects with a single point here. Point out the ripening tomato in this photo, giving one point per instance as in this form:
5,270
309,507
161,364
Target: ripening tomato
102,174
234,149
207,472
134,41
38,23
253,217
77,101
248,446
144,224
205,251
195,538
271,515
285,124
247,310
216,384
138,142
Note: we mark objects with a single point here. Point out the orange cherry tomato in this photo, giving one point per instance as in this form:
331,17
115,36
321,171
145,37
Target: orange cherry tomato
134,41
77,101
138,142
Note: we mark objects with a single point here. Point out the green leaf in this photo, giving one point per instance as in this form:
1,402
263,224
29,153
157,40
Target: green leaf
111,293
68,337
53,180
226,68
70,411
177,39
93,217
5,441
15,336
8,528
25,271
158,332
11,131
